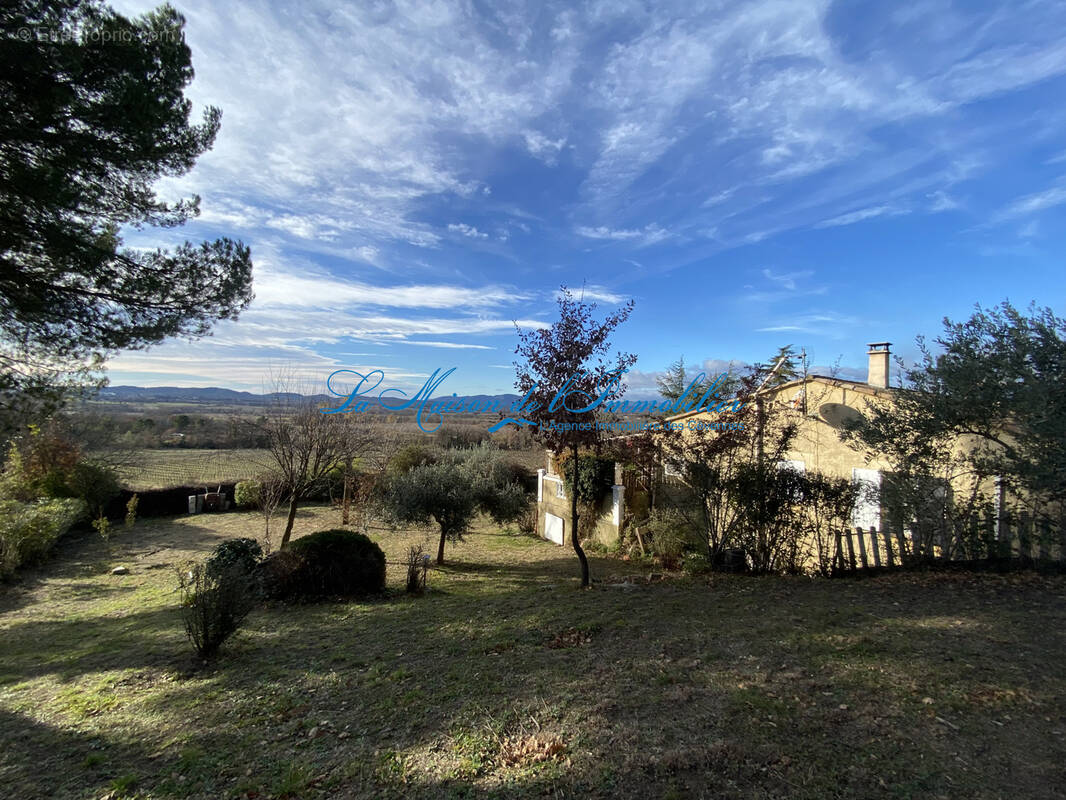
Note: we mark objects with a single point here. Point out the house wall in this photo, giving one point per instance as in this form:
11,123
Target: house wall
609,515
817,443
817,446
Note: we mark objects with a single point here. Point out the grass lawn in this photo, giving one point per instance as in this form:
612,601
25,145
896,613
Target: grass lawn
507,680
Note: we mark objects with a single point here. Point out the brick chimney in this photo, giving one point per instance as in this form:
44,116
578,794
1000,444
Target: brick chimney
877,374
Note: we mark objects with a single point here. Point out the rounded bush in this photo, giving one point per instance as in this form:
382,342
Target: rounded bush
280,575
243,554
331,563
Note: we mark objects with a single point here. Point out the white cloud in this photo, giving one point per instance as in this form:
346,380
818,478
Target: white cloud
314,324
467,230
718,198
858,216
251,369
787,280
353,133
275,288
828,324
646,384
340,115
540,146
648,235
1034,203
348,122
782,286
942,201
449,345
595,294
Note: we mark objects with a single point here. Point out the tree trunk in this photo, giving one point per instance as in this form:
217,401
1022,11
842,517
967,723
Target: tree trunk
440,548
346,503
573,522
288,524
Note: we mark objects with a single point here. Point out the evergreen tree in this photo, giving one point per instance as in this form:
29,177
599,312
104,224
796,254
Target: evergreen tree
92,114
787,369
674,381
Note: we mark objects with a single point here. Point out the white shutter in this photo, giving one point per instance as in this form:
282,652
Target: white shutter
867,512
553,528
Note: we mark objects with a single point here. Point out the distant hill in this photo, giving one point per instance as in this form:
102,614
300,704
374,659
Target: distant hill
215,395
185,394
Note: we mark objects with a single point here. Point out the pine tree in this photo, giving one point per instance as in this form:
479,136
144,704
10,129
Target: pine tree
787,369
92,114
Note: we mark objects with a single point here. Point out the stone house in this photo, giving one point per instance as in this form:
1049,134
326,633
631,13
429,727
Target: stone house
821,405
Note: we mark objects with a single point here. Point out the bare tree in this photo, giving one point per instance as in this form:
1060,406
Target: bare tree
305,444
271,494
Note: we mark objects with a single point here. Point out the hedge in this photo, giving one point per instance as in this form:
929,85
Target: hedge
28,530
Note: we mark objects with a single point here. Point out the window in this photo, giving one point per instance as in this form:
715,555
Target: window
559,492
799,469
867,512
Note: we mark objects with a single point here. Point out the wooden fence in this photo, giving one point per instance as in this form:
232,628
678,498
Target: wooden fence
1021,537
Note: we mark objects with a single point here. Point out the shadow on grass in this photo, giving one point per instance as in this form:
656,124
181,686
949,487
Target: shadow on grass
800,697
41,761
732,687
69,648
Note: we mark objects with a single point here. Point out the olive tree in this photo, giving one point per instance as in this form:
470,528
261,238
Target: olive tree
452,491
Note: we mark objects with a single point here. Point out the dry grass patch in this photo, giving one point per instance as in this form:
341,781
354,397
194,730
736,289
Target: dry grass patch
526,750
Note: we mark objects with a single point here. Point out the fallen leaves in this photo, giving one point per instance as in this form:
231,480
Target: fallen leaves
571,637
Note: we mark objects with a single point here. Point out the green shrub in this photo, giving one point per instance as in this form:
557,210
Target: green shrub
49,465
410,456
595,476
417,569
131,511
695,563
102,525
214,603
242,553
443,493
498,481
279,575
38,467
28,530
95,484
669,535
527,520
331,563
248,494
333,481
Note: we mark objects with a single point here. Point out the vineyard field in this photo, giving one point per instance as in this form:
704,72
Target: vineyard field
160,469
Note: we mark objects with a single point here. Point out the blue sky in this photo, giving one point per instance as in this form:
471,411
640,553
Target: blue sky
413,177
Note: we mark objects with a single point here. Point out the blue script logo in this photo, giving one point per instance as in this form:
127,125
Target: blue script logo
361,398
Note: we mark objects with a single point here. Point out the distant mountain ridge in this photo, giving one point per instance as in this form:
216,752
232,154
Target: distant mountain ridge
214,394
